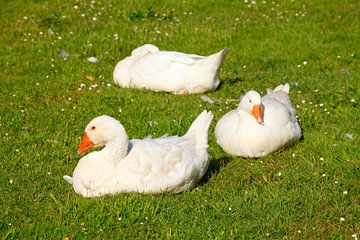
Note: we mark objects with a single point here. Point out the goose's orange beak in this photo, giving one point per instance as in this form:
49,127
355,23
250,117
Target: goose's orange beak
257,113
85,144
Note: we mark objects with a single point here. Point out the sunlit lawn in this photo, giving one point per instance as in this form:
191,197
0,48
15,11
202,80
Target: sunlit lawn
308,191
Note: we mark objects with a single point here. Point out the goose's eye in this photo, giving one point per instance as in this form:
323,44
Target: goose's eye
249,100
93,128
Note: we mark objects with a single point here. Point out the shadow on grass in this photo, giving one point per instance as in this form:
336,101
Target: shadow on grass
229,82
213,169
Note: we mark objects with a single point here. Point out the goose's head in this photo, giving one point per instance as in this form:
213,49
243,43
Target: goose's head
251,103
143,50
100,131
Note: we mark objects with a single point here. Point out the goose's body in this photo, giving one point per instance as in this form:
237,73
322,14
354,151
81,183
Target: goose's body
254,133
169,71
166,164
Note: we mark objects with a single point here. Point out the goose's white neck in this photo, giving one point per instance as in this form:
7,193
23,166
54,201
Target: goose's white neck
116,150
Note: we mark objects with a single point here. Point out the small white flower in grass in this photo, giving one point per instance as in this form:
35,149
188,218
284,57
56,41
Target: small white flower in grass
59,37
298,65
278,174
244,66
293,155
338,56
17,150
352,100
345,192
354,236
109,85
119,218
82,85
76,7
305,62
321,104
342,219
74,107
47,76
48,173
323,175
299,231
62,109
94,19
22,110
92,59
321,159
303,101
37,84
14,95
146,218
11,181
267,234
50,31
230,208
141,223
83,15
336,182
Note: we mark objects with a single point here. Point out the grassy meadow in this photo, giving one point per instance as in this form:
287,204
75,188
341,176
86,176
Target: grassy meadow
50,91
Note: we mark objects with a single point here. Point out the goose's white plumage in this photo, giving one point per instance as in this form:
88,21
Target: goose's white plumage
169,71
241,132
165,164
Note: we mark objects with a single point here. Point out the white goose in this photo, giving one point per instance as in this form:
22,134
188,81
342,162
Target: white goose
259,125
169,71
165,164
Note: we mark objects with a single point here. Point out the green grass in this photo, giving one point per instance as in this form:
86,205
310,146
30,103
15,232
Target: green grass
239,198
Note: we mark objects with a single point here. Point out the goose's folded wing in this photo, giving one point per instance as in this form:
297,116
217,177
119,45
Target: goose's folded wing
154,156
158,163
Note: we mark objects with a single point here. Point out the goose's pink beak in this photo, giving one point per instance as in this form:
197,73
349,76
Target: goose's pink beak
257,113
85,144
